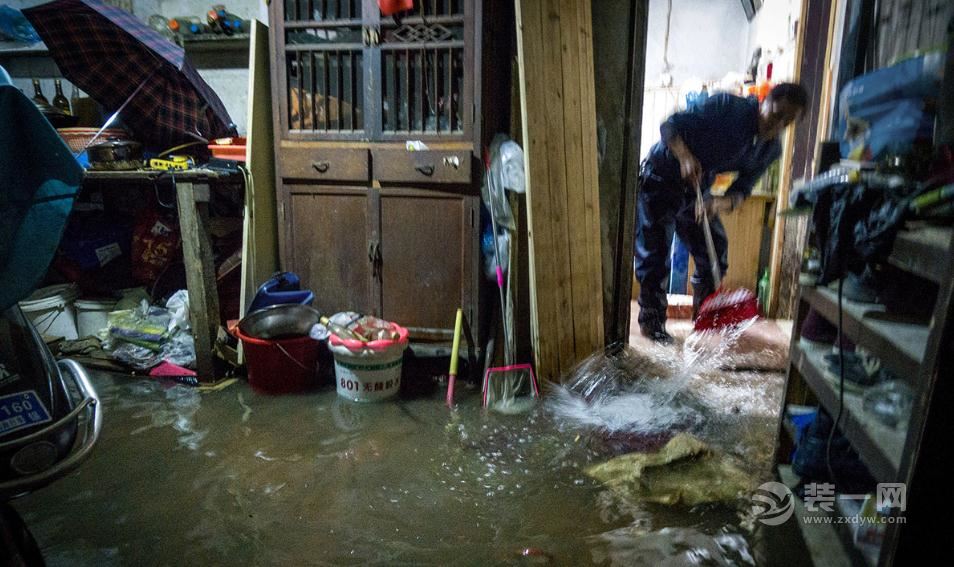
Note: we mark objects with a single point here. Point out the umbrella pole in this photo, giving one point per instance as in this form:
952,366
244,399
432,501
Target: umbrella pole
116,114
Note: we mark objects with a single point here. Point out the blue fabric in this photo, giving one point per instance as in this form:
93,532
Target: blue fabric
722,134
39,179
679,270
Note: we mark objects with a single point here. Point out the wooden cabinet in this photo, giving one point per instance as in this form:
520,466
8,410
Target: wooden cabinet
369,225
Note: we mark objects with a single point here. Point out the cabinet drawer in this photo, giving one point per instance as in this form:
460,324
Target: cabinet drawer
332,164
429,166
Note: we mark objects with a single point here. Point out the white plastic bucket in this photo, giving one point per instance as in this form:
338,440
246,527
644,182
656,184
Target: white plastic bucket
92,315
368,374
51,311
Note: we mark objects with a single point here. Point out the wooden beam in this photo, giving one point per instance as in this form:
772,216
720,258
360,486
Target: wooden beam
785,168
557,105
200,278
260,236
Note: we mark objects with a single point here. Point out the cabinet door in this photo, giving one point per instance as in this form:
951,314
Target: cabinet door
324,68
425,72
326,231
428,259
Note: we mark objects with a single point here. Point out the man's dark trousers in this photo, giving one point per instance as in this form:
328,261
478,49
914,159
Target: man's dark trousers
664,207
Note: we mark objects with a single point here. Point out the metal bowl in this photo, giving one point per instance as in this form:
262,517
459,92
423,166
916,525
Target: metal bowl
280,321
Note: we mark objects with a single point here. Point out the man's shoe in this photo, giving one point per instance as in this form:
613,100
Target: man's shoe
656,333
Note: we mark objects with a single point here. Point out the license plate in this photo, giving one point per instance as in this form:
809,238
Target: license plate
20,410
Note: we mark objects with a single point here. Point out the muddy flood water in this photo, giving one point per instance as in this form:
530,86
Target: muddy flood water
236,478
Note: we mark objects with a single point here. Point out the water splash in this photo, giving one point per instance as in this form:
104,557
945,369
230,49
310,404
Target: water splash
625,390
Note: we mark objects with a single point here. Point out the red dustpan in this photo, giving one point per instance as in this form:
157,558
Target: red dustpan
723,308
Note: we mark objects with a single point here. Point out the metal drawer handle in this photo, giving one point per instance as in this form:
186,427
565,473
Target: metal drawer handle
320,166
427,170
452,161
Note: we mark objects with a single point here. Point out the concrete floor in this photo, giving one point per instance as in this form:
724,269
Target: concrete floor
233,477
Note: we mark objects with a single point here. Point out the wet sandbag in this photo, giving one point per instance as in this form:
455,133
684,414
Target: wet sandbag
685,471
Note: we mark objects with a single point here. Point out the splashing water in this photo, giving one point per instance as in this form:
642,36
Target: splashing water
624,390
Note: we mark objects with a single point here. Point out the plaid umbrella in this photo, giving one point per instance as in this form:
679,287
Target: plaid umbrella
119,60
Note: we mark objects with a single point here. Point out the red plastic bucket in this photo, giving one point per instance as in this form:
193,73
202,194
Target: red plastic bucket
280,366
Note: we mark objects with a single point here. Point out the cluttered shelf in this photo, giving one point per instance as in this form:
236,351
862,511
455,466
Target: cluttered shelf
879,446
828,542
196,43
921,251
187,175
899,341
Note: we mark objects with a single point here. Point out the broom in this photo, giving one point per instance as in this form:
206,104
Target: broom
723,308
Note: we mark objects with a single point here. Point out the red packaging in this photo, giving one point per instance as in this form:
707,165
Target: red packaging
156,242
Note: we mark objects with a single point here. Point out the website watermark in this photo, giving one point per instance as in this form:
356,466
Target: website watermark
773,504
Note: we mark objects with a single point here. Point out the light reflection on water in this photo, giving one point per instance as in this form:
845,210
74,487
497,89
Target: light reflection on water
235,477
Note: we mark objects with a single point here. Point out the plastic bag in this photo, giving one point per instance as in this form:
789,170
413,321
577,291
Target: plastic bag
15,27
179,350
886,109
890,402
506,173
178,306
490,255
156,242
146,326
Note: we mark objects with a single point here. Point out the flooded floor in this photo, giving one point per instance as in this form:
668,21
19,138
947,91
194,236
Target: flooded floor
233,477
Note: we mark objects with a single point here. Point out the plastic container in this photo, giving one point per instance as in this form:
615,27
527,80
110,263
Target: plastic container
92,315
233,151
280,366
368,372
51,311
280,356
283,288
78,138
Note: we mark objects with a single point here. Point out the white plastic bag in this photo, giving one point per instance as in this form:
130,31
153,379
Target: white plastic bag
178,306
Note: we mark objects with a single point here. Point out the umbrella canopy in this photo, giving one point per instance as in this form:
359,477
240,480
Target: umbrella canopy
109,54
39,179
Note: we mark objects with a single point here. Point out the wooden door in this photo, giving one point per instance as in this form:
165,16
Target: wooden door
326,228
428,260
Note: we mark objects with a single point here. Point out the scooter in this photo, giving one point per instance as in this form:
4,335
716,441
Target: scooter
50,419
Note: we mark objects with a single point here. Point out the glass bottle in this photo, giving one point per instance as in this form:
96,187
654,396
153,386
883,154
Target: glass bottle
59,100
342,332
38,93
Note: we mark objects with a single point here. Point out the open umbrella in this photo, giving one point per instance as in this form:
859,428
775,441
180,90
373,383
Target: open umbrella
125,65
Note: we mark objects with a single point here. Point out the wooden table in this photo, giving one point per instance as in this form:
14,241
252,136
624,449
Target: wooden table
193,191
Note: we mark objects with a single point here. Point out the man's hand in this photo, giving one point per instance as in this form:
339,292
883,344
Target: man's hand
718,205
689,166
691,169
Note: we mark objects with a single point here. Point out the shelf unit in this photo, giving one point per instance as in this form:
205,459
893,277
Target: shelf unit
914,349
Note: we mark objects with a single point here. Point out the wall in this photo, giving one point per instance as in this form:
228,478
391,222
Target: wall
773,29
707,39
226,72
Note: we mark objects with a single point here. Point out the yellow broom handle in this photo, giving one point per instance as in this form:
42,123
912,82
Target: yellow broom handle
457,325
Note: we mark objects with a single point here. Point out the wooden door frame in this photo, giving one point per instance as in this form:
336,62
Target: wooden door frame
619,249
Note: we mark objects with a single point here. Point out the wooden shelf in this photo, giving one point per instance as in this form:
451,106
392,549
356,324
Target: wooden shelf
921,251
879,446
828,543
825,542
213,42
898,342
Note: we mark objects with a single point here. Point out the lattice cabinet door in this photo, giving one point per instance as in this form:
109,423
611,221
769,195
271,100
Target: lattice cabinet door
426,72
324,47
